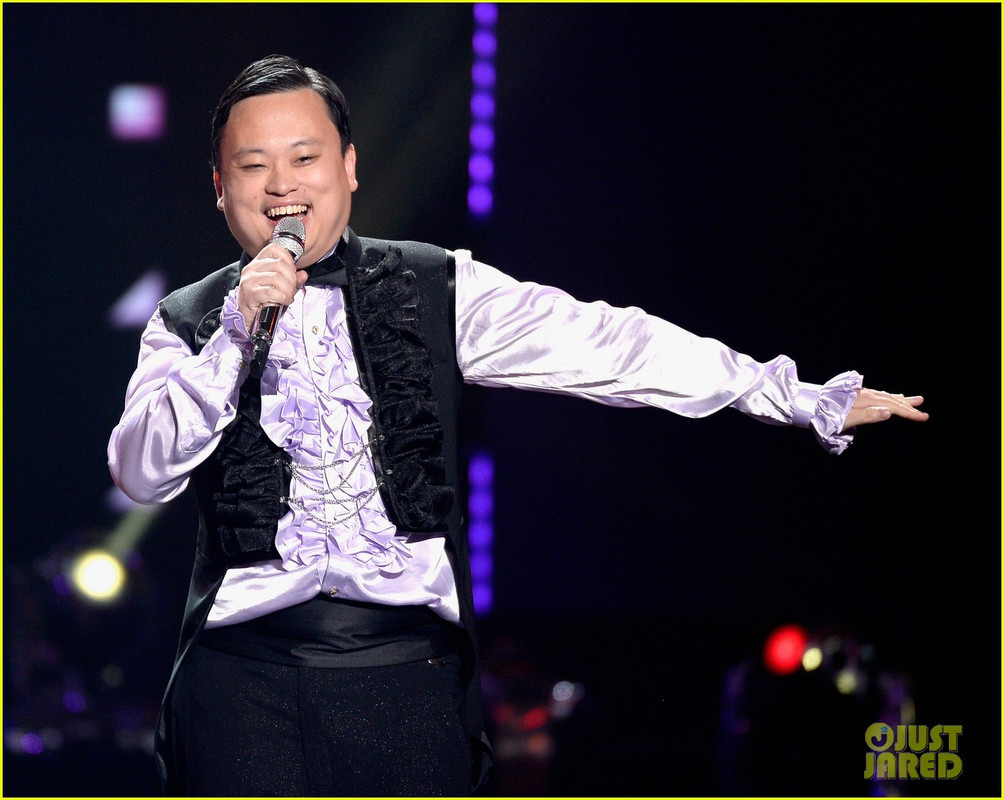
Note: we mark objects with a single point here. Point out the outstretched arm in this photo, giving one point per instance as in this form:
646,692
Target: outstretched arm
872,405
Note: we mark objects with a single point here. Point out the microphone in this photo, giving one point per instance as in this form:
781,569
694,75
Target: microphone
290,234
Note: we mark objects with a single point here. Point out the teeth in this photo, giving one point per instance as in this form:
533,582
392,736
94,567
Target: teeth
285,211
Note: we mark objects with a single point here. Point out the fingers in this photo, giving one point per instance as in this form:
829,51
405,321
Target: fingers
269,288
898,405
914,412
271,278
274,272
876,414
872,406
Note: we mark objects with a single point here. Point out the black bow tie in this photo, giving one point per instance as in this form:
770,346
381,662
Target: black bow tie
329,271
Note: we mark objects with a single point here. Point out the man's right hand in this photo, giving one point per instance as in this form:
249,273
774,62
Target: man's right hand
271,278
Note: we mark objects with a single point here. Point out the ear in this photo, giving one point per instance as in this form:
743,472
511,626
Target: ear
350,167
218,185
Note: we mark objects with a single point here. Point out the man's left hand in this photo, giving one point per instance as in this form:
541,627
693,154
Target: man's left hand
872,405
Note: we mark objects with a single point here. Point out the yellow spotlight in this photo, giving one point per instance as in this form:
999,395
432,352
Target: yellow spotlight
97,576
847,681
812,658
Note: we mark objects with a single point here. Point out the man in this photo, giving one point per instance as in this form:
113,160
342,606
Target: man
328,645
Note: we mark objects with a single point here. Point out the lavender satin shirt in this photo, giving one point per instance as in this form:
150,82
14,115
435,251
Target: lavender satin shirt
336,537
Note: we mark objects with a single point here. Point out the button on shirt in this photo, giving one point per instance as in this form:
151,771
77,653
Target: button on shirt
337,537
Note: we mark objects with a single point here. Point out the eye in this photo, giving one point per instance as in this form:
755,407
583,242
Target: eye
305,159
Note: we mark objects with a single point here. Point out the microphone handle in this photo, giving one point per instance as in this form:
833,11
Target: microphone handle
290,234
265,323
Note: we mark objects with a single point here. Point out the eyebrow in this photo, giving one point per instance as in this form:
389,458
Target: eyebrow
245,151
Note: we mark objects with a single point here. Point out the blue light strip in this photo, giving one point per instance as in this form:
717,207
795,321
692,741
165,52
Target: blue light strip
481,167
480,530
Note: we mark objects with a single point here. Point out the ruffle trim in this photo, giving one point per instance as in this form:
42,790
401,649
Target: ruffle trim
232,321
252,485
408,436
835,400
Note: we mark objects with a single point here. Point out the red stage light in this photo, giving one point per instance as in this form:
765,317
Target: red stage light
535,718
784,648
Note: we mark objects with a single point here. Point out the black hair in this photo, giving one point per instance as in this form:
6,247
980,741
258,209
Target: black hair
277,73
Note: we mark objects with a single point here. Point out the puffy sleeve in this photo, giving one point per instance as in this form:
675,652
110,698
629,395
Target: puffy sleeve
177,405
530,336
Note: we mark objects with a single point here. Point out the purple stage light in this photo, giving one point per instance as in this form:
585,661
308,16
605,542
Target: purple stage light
479,535
137,112
31,743
481,567
479,201
480,504
134,308
482,137
483,74
483,106
485,43
480,168
480,470
483,598
486,14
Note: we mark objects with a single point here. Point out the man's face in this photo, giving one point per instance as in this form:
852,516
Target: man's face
281,155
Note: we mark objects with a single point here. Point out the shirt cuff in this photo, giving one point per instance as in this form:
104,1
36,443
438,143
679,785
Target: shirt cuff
234,326
826,417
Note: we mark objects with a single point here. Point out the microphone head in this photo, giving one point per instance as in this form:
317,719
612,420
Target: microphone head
290,233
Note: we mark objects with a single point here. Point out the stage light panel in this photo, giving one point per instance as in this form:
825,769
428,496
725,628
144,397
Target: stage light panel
137,112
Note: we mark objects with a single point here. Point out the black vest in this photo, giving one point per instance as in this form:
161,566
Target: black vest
400,314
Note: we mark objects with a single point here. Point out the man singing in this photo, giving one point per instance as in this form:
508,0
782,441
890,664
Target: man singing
328,645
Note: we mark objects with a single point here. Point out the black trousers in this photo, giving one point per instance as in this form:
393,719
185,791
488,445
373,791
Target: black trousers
252,728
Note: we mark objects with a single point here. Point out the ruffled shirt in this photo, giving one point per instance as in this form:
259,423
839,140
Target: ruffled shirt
337,537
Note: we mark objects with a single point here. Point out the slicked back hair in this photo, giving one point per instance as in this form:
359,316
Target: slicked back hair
274,74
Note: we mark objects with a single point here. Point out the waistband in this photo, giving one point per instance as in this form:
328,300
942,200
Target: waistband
325,632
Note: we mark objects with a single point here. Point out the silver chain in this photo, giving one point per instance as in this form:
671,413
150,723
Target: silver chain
356,503
298,469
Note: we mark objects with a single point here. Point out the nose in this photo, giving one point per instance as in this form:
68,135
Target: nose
281,180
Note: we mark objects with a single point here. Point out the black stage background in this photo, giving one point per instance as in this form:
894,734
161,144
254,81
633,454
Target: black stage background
817,180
